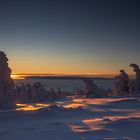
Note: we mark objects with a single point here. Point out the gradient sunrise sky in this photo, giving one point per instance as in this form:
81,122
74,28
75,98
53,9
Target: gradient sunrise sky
70,36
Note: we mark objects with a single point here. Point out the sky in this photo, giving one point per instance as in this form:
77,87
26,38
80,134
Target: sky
70,36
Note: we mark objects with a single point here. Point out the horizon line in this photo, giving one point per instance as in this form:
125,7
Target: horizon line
66,74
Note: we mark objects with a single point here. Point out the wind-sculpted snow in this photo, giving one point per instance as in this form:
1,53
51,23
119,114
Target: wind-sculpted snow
76,119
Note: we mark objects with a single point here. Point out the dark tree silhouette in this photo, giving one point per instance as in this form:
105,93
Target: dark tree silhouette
6,83
137,80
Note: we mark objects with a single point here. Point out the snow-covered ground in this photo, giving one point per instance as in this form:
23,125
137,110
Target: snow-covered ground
73,119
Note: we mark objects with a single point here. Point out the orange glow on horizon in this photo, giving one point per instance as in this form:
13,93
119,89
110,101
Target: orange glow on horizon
22,76
16,76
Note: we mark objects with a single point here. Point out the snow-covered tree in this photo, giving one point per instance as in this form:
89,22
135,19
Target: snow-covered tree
6,83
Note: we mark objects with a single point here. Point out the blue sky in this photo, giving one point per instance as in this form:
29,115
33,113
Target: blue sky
71,37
